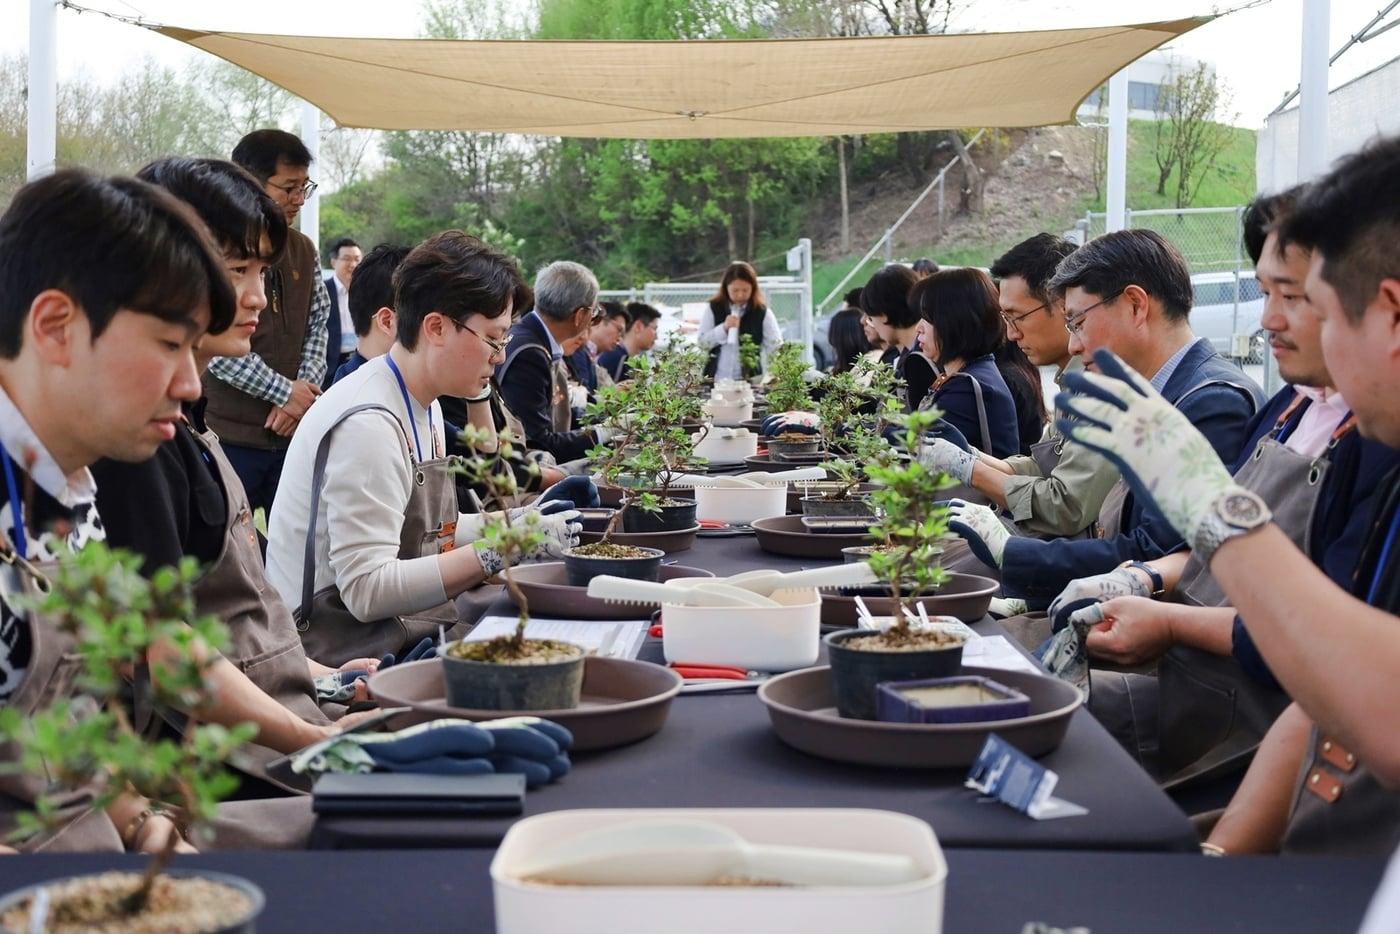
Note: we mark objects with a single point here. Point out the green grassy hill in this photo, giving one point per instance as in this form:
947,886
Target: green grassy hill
1231,183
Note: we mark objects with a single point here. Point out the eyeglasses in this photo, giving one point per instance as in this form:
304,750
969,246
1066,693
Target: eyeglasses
595,314
497,348
1017,319
306,189
1073,325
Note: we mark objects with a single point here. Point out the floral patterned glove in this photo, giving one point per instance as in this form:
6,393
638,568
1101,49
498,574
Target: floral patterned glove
801,423
560,534
946,457
1160,453
981,528
1087,591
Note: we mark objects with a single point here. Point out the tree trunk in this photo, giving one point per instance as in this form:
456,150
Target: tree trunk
731,229
749,254
973,183
845,196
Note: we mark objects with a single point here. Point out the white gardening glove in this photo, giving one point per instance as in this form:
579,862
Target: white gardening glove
1005,607
604,433
981,528
1159,452
560,534
1086,591
943,456
578,396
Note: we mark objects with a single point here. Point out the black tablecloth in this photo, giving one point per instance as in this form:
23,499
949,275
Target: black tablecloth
719,751
987,891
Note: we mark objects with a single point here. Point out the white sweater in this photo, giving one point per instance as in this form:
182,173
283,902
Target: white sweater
369,479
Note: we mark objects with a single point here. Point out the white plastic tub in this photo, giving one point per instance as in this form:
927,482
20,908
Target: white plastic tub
715,446
778,638
734,504
909,908
728,414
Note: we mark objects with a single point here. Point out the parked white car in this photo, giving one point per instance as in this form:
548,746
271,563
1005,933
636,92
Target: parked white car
1214,314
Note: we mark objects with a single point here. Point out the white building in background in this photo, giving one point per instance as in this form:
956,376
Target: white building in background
1356,111
1146,77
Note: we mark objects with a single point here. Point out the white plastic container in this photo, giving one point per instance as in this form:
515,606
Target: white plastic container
727,446
778,638
732,504
728,414
909,908
732,390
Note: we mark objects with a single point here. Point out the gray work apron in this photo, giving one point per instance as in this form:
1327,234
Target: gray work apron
561,414
330,633
1202,715
1338,806
52,676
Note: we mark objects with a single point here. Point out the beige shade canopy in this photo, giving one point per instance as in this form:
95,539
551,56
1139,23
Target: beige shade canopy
696,89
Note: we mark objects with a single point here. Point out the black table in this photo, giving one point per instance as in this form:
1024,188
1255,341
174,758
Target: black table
987,890
720,751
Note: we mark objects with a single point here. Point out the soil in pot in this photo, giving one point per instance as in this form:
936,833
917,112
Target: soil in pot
585,562
673,515
857,553
177,903
861,659
544,675
831,506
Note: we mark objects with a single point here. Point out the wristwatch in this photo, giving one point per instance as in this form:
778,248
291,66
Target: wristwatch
1153,575
1235,512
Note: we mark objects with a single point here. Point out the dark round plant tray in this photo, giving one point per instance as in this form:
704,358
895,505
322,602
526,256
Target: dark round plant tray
965,596
764,462
623,700
803,714
786,535
547,589
669,542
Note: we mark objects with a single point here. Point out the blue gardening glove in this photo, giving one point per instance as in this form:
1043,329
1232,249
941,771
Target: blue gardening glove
535,748
426,648
339,686
569,493
949,432
439,747
1159,452
982,530
1086,591
799,423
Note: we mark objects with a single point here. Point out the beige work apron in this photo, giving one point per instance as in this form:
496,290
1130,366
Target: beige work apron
330,633
52,676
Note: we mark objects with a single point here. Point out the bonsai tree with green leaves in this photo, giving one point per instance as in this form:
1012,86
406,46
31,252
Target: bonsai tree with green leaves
912,523
855,408
750,355
788,390
117,617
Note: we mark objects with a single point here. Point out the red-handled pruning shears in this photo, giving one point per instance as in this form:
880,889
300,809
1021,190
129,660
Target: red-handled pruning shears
713,672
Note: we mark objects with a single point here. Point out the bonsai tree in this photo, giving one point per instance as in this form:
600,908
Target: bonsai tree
856,407
117,617
750,355
912,523
787,388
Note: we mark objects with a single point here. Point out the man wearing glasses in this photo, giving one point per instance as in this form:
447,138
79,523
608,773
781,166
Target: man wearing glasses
257,401
1129,292
533,378
1056,490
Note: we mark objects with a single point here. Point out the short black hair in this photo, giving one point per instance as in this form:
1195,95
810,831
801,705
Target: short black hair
261,150
925,266
1351,216
641,311
230,202
852,298
1034,260
1107,265
109,244
615,310
372,284
886,296
340,244
961,304
457,275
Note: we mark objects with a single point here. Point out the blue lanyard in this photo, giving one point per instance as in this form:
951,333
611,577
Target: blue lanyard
1385,556
16,504
412,422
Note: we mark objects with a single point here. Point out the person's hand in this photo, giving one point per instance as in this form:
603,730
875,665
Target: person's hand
580,492
280,422
980,528
550,475
943,456
731,322
1087,591
560,533
303,394
1160,453
797,423
1126,630
156,832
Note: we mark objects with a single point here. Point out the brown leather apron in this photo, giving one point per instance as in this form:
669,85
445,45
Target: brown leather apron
53,672
330,633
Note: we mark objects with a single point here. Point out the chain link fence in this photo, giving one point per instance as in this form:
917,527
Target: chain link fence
1211,239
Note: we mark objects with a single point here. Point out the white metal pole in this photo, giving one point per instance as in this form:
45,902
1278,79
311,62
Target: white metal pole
1117,152
1312,104
807,326
311,136
42,120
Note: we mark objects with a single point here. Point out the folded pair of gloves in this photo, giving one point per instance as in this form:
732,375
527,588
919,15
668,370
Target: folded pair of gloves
529,746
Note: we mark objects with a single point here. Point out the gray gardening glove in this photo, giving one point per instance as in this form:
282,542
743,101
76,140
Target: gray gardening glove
946,457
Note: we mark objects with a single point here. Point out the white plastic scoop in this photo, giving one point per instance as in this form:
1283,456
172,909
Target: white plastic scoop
768,582
693,852
785,476
704,592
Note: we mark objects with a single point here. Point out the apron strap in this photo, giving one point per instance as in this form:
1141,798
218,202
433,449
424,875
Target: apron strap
981,404
318,480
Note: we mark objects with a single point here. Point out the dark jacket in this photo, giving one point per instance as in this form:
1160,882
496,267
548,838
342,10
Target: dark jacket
957,400
750,323
1341,523
614,361
1220,401
351,364
581,368
332,334
919,375
527,388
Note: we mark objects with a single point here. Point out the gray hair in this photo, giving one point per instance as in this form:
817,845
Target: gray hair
561,288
